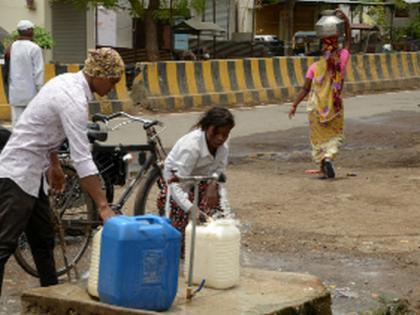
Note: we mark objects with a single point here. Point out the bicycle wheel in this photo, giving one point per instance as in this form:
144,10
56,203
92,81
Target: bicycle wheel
148,192
77,213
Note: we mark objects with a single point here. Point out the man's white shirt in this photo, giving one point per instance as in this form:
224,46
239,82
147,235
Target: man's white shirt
58,111
26,74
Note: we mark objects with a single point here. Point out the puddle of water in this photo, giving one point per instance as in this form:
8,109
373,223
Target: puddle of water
354,282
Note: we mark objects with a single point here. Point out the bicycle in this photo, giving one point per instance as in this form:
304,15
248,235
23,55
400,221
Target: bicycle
75,215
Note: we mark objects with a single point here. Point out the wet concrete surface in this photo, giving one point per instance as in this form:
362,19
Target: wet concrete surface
258,292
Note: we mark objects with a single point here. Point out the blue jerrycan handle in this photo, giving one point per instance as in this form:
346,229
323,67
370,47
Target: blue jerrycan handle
153,219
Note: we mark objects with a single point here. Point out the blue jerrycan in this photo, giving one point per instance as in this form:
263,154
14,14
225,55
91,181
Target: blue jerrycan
139,262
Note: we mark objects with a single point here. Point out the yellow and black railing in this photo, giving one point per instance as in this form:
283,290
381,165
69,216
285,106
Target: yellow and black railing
116,100
190,85
193,85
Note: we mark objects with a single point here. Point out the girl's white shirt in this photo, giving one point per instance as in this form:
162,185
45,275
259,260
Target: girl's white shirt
191,157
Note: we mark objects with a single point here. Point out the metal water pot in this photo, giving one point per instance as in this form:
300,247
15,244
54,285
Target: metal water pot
329,25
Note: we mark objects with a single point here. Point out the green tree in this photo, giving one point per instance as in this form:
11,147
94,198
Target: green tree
412,29
156,10
378,14
41,37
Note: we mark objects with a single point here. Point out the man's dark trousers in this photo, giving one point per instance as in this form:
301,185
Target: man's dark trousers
20,212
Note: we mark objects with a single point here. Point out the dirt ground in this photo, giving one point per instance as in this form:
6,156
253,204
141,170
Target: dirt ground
360,233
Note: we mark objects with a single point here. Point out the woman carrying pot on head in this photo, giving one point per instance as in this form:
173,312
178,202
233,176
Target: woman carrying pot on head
324,84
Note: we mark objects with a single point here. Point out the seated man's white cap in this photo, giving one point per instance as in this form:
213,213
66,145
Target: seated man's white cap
24,25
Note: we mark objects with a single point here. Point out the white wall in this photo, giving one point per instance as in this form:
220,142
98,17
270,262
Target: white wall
225,10
245,8
90,29
47,26
124,30
12,11
114,28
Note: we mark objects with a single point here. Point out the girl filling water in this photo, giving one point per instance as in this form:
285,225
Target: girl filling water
201,152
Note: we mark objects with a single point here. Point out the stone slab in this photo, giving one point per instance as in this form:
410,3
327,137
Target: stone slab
259,292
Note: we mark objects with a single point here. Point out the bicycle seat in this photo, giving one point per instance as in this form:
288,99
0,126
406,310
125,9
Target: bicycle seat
151,124
95,133
93,126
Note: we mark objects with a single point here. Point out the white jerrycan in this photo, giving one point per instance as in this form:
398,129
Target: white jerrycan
216,256
94,264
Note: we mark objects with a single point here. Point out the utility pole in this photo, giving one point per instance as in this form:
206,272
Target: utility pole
391,28
290,25
171,22
229,15
214,34
254,4
254,17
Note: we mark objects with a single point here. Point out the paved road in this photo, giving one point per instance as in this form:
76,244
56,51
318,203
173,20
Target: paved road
267,118
252,120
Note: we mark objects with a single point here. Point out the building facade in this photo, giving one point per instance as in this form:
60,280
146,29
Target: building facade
73,29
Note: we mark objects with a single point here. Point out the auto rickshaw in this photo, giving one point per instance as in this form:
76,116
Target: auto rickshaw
306,43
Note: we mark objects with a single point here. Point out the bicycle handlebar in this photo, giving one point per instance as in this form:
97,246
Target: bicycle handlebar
147,123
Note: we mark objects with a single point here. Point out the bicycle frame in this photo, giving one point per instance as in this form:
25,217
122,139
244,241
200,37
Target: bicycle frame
154,147
149,162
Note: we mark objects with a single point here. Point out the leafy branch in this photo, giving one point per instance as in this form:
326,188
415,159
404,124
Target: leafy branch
137,8
41,37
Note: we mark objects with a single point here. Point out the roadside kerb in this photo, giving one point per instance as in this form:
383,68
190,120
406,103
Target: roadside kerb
190,85
115,101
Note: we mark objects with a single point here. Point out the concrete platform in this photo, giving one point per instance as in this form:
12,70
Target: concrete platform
259,292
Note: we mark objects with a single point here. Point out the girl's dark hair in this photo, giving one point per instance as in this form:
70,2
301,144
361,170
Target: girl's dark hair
216,116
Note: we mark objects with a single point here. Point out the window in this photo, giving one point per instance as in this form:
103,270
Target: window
401,12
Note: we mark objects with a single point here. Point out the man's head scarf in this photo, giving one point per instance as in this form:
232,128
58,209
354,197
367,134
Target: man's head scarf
104,63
